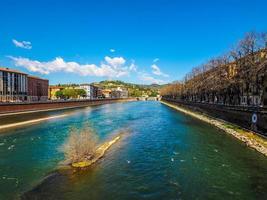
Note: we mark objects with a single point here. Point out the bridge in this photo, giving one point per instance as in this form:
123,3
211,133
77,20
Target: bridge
148,98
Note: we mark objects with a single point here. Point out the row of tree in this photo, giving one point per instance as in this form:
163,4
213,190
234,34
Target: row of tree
70,93
237,77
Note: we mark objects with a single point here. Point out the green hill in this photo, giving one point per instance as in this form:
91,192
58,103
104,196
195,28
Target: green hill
135,90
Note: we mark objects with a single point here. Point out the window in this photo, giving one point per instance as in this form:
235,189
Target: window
244,100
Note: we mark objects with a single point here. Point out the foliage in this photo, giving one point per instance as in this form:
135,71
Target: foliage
226,79
59,94
80,145
134,90
81,92
70,93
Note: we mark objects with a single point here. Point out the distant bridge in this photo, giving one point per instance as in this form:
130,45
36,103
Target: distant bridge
148,98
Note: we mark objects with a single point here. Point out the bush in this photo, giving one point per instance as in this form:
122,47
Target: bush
80,145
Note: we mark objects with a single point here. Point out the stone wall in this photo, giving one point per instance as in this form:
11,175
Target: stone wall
239,115
35,106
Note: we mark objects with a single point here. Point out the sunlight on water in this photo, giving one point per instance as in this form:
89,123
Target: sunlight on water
166,155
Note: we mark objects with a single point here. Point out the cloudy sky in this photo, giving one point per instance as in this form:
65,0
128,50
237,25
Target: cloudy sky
140,41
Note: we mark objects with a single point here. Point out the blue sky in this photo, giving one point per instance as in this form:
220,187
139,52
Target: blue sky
140,41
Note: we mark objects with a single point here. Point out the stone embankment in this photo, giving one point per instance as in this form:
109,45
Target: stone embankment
243,116
25,107
250,138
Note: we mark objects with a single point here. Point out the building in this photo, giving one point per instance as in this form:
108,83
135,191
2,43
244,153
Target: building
16,86
100,93
37,89
106,93
91,90
52,91
119,93
115,94
124,93
13,85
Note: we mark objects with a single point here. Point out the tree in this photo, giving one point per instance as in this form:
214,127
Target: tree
81,92
241,72
153,93
69,93
263,38
59,94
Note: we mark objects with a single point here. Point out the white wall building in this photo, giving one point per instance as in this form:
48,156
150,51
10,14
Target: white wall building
119,93
91,90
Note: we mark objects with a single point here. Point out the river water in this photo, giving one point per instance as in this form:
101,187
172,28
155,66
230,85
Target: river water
165,155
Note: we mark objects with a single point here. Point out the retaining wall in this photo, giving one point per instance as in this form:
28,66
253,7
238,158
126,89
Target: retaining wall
35,106
241,116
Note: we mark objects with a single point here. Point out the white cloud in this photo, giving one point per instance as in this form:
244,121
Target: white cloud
133,66
156,60
115,62
110,67
156,70
22,44
112,50
150,79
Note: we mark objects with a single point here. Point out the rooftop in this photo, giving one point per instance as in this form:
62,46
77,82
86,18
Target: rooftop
56,87
6,69
36,77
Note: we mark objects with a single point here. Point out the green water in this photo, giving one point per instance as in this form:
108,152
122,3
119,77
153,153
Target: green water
167,155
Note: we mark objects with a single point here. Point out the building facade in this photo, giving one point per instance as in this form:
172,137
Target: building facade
100,93
106,93
119,93
13,85
37,89
16,86
53,90
91,91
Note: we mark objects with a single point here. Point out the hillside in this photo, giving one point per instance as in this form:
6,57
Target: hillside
135,90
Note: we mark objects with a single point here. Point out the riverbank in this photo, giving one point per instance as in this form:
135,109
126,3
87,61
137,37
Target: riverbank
251,139
30,122
32,107
18,119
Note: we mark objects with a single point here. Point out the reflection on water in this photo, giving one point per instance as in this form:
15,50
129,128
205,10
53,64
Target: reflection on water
167,156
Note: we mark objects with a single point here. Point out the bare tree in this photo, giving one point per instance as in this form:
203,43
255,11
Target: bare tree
263,39
237,74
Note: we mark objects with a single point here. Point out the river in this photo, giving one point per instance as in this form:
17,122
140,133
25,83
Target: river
165,155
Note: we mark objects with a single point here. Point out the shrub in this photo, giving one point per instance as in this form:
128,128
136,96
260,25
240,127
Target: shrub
80,145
